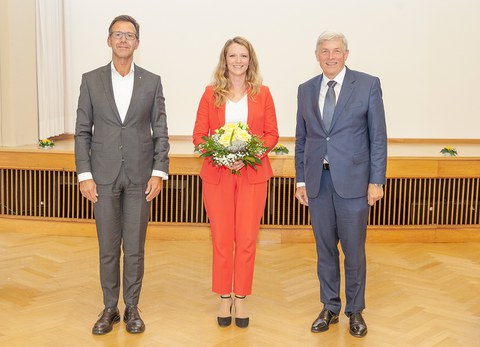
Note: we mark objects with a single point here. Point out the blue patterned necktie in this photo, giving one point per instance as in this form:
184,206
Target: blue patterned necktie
329,105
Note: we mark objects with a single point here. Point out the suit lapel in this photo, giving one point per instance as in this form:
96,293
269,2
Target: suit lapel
106,77
315,97
251,104
138,84
221,114
345,94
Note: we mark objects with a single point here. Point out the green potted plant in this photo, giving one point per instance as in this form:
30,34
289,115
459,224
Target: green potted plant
46,144
280,149
449,151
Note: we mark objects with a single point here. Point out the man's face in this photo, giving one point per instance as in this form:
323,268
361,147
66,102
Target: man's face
332,56
122,47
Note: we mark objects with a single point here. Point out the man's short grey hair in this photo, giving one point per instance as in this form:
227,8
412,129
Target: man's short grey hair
332,35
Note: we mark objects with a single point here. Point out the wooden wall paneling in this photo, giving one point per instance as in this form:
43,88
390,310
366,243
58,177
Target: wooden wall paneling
419,192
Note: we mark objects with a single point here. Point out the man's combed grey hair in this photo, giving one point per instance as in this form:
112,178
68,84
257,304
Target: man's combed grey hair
125,18
332,35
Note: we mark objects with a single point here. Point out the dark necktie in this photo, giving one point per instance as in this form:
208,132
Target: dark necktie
329,105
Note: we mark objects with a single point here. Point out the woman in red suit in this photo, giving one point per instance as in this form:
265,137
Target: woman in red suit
235,203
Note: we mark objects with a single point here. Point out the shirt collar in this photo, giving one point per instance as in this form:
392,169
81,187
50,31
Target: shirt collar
116,74
339,78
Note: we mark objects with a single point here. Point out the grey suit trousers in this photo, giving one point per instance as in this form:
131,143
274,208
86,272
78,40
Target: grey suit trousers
121,216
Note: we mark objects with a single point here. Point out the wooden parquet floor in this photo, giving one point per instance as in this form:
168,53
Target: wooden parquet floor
417,295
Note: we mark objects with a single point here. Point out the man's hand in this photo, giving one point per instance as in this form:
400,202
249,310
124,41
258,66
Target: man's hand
154,186
88,188
301,195
375,193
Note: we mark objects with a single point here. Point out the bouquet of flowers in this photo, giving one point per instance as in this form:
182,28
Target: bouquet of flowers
230,143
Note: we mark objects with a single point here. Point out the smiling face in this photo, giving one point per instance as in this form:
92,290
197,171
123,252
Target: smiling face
332,56
237,58
121,47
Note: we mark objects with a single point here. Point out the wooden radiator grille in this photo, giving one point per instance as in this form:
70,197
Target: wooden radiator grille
428,201
407,201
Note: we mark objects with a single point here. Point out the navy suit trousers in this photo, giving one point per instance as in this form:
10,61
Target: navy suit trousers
337,219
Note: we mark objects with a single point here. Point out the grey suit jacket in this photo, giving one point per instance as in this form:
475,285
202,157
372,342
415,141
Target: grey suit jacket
356,143
103,142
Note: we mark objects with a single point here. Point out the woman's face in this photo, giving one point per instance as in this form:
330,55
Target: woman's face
237,60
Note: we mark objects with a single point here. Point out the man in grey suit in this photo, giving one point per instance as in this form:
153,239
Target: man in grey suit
121,157
340,163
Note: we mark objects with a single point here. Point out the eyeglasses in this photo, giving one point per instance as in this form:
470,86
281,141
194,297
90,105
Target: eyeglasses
119,34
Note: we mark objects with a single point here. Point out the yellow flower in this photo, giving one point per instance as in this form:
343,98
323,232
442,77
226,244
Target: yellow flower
232,132
230,127
242,135
225,139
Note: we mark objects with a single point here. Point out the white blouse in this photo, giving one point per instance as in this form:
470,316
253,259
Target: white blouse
236,111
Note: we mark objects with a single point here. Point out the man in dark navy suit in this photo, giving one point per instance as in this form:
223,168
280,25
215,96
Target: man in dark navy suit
340,163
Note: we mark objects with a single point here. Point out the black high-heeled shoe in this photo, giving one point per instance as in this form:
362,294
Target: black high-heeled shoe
225,321
241,322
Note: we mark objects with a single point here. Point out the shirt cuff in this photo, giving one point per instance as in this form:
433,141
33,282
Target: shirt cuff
84,176
161,174
300,184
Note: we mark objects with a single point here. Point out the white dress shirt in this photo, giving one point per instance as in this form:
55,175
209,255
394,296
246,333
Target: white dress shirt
324,87
122,90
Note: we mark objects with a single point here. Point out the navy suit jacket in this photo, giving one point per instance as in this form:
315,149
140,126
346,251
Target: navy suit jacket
356,143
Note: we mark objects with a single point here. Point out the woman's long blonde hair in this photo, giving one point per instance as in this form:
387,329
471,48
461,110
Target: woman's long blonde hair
221,83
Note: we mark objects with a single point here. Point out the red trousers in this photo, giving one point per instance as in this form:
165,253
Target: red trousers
235,208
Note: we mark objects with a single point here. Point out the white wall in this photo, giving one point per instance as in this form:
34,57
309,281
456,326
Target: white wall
426,53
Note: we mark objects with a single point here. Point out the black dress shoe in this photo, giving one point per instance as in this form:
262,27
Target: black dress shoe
135,324
358,328
108,318
323,321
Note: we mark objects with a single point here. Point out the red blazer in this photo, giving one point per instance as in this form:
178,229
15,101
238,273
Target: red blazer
261,120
